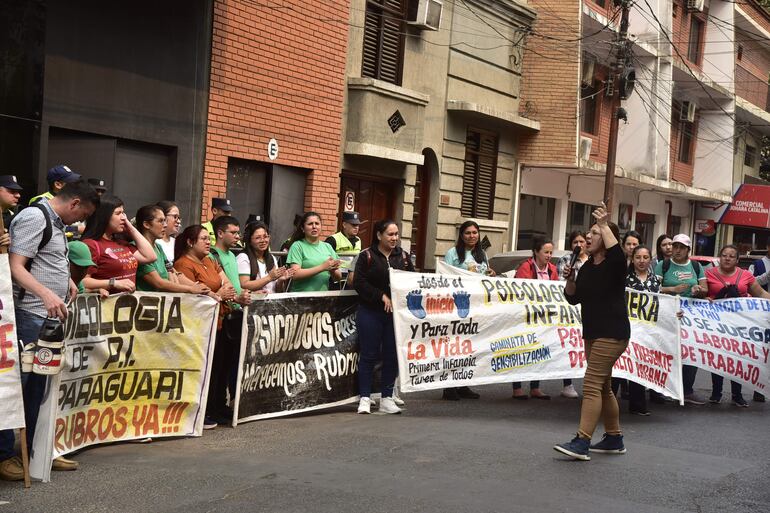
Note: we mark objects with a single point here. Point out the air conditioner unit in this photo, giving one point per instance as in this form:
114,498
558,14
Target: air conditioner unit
585,148
425,14
587,75
696,5
687,113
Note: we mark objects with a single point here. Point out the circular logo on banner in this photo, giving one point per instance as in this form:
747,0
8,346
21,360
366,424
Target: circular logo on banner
44,355
272,149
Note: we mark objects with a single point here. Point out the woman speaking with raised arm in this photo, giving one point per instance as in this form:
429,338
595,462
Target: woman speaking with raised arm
600,290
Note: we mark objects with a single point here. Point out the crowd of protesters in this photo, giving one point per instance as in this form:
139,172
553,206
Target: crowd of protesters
77,238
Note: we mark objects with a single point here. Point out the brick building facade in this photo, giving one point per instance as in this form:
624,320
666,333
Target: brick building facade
277,73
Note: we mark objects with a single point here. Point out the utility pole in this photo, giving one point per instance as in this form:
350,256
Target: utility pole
619,86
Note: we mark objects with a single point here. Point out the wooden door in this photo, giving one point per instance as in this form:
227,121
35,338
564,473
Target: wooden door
420,215
373,199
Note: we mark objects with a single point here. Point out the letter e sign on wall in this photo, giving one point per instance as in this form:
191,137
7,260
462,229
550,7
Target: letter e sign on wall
350,201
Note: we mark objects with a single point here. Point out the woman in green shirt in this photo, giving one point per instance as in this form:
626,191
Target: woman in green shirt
313,260
159,276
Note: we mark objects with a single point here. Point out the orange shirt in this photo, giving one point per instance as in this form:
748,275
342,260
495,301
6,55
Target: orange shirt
206,273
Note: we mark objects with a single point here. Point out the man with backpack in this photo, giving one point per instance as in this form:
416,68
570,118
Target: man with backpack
41,285
683,277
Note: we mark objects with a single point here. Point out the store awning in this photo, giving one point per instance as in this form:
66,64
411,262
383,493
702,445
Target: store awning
750,207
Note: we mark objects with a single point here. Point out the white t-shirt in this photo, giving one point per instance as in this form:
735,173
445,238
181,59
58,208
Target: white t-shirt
167,247
244,269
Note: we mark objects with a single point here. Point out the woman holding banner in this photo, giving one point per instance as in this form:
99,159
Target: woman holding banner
115,260
191,258
540,267
600,291
726,281
640,278
467,254
258,270
374,320
159,276
312,260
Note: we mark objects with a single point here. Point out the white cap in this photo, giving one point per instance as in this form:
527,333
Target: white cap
682,239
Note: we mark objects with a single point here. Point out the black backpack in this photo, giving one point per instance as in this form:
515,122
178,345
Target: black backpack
730,290
47,234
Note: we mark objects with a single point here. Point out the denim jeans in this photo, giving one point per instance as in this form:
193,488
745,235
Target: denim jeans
375,337
33,385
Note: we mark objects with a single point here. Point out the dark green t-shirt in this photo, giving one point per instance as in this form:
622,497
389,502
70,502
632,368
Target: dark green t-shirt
143,270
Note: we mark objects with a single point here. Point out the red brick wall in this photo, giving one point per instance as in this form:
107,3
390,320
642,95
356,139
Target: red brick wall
601,139
681,172
756,13
278,70
751,72
681,29
549,90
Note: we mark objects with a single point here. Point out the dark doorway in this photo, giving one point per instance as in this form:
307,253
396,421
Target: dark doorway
374,200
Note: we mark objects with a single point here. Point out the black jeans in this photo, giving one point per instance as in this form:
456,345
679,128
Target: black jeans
716,386
688,378
225,351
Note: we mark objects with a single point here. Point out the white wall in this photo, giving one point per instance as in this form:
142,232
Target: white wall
713,166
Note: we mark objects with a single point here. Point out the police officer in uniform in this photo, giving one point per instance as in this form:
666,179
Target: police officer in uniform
219,207
346,243
10,192
99,185
57,177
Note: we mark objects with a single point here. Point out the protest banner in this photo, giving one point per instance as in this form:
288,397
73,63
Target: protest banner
652,358
134,366
729,337
462,330
11,402
299,352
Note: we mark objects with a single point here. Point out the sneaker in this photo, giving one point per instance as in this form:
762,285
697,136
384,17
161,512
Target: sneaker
694,398
397,399
576,449
738,400
641,413
610,444
11,469
365,405
450,394
715,399
388,405
63,464
758,398
570,392
467,393
209,423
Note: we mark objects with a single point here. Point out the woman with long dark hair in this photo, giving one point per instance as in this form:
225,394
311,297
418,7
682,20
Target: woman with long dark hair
258,269
539,267
467,252
115,260
577,239
664,247
156,277
173,225
724,281
600,289
313,260
192,258
374,320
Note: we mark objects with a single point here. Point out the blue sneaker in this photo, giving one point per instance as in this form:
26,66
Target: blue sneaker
576,449
610,444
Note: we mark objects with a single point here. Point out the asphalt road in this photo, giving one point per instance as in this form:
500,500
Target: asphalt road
489,455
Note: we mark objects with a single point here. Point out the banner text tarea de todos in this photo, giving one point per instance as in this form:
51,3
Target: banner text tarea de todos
298,352
134,366
454,330
11,403
729,337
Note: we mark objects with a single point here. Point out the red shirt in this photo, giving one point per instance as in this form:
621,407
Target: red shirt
112,259
528,270
741,278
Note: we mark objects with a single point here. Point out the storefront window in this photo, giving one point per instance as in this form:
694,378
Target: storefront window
535,218
645,224
750,239
578,218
